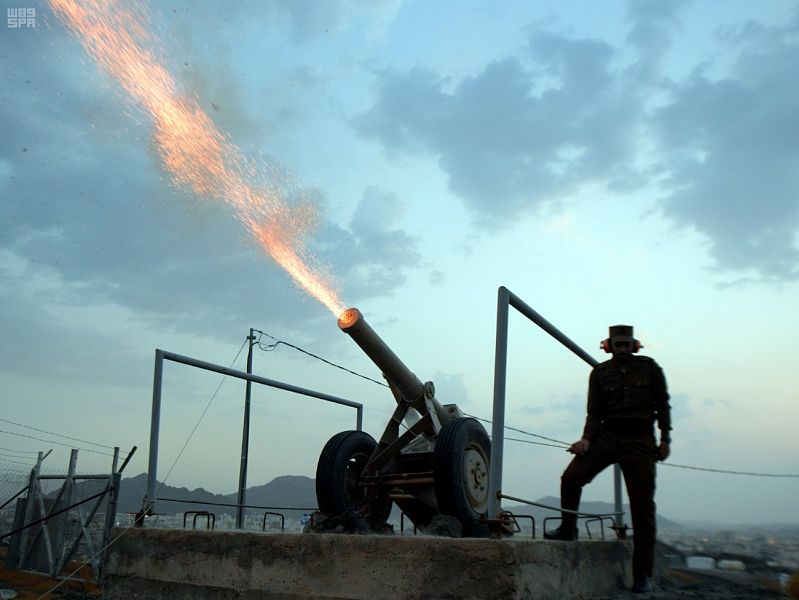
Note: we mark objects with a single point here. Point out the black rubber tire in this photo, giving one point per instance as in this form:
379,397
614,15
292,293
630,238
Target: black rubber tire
340,465
461,460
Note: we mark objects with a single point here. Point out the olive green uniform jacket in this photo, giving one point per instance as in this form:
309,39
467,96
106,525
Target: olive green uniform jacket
626,396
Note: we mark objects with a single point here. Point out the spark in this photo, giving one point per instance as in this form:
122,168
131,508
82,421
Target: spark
195,153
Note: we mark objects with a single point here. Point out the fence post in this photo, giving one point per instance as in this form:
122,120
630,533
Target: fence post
498,419
29,504
111,512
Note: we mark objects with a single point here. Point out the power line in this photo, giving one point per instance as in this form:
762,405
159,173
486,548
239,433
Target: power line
20,451
271,347
17,457
57,434
54,442
728,472
205,410
564,445
557,443
16,462
543,437
534,442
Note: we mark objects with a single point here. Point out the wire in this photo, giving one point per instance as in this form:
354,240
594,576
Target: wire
271,347
54,442
63,580
196,425
57,434
510,439
124,531
20,451
16,462
667,464
728,472
557,444
543,437
55,513
18,457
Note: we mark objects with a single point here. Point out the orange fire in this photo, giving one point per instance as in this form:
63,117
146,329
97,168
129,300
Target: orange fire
192,149
348,318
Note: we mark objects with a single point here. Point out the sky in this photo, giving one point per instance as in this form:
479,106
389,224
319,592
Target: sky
614,162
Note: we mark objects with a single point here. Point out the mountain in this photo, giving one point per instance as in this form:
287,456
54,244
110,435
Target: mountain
289,491
294,494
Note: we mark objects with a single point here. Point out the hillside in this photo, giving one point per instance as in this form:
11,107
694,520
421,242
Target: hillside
298,492
282,492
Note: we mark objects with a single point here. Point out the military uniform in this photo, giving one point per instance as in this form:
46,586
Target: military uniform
626,396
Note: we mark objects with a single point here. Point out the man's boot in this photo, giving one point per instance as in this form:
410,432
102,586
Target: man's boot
563,533
641,585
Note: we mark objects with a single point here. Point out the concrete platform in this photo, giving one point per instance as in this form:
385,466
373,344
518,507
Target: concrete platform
202,565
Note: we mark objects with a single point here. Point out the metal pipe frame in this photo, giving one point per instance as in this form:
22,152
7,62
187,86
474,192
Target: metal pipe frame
155,419
506,299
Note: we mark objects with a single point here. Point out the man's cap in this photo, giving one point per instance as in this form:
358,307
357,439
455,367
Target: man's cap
620,333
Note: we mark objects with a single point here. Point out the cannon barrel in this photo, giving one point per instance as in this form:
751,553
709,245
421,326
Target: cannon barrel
352,323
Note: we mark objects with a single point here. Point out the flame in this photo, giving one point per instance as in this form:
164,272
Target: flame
348,318
192,149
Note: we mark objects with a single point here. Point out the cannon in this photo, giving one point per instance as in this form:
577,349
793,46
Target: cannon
437,466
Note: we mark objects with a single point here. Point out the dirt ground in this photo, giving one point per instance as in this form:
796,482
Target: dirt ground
683,585
31,586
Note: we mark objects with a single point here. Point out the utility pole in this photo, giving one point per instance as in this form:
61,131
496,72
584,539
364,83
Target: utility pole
245,438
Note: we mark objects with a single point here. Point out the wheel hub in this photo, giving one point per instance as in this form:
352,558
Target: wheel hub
475,478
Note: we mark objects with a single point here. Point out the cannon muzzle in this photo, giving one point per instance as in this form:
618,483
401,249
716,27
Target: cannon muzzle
352,323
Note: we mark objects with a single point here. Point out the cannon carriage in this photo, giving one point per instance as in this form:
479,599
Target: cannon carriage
436,466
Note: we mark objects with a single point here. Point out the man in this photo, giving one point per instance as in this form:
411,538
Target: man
626,396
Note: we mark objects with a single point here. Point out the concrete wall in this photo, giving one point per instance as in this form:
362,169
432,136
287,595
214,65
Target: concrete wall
202,565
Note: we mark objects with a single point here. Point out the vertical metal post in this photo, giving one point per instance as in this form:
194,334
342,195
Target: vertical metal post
359,418
155,424
498,424
56,548
33,483
618,518
245,438
110,511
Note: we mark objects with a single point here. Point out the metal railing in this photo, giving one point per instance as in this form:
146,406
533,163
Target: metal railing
158,376
506,299
49,528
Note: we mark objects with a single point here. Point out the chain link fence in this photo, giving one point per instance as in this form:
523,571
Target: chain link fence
14,477
50,521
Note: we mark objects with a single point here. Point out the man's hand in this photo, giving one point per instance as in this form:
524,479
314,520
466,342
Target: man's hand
579,447
663,451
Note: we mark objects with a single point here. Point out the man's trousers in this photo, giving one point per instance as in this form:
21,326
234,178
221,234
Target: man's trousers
636,457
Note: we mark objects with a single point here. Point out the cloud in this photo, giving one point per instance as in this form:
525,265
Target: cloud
375,253
451,389
531,129
731,153
87,205
302,21
512,138
652,25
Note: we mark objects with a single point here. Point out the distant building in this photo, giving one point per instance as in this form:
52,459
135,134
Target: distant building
700,562
731,565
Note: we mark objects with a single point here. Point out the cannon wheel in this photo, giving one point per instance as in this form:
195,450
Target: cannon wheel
340,465
460,473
